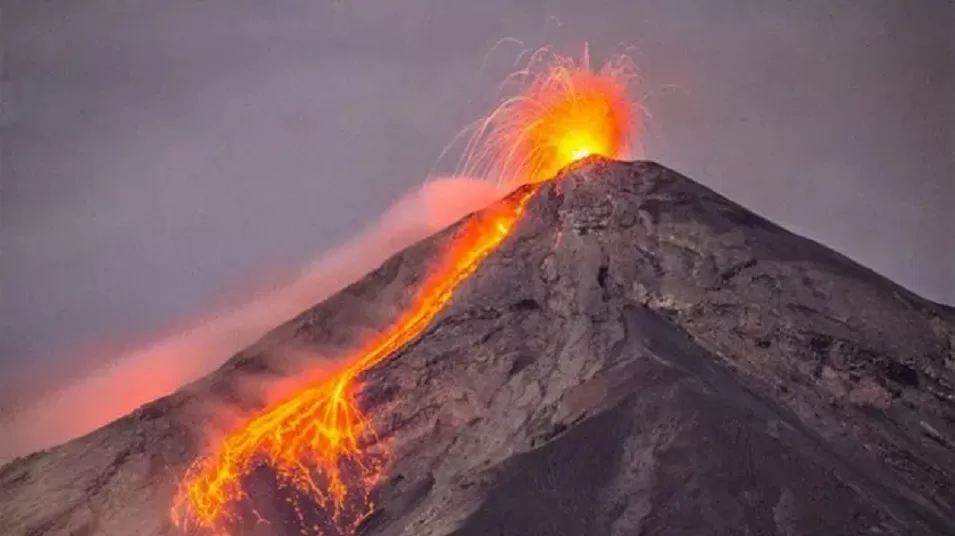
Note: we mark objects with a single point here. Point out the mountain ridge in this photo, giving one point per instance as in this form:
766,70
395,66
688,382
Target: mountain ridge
823,366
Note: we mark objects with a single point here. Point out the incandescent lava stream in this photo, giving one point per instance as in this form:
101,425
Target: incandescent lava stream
313,440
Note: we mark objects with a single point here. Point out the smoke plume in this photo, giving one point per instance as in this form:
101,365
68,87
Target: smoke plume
164,366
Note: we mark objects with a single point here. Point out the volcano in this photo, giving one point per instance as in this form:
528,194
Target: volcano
639,356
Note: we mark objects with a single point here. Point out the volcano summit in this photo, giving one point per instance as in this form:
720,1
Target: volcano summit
638,355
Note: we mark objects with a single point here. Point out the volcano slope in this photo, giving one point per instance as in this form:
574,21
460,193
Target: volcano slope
640,356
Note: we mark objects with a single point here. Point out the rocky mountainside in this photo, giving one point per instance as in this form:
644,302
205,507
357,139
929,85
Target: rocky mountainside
640,356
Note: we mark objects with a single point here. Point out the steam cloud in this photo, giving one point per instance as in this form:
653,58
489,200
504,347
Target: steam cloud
161,368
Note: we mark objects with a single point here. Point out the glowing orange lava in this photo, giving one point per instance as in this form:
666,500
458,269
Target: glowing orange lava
315,441
565,112
320,428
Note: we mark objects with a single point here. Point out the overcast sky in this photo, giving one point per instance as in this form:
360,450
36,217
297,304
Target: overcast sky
159,157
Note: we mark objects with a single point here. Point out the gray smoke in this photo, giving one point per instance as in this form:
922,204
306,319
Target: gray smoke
158,369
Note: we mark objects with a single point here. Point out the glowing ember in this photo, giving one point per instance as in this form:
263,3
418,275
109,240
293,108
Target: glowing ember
564,113
315,441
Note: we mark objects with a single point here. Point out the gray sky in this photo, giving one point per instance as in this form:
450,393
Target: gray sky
159,157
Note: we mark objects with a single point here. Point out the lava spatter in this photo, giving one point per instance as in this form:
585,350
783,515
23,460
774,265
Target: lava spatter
564,111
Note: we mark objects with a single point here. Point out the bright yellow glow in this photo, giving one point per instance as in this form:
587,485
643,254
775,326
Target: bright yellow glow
566,112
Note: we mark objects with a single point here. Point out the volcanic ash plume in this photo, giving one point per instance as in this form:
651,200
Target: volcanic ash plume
161,368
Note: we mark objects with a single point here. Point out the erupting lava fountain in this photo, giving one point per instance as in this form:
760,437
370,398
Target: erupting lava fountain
317,440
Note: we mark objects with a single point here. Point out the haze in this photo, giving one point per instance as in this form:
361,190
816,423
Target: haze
160,159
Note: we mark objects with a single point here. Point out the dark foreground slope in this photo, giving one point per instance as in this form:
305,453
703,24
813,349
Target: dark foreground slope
641,356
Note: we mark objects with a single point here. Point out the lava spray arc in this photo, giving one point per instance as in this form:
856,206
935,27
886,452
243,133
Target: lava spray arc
563,111
316,441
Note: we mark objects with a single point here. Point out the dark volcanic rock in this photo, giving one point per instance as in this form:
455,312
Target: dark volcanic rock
641,356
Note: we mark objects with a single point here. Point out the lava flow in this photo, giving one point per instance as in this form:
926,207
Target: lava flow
316,441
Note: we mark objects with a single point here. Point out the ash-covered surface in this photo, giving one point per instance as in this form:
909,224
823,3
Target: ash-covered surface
641,356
